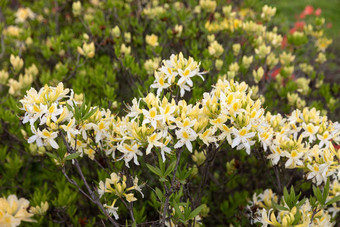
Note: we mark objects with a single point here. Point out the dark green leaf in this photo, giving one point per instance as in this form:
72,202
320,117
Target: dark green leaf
72,156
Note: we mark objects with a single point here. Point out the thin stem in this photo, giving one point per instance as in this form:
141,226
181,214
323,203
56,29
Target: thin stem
75,184
170,190
93,197
129,207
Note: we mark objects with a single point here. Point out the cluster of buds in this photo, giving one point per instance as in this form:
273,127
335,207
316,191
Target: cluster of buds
117,186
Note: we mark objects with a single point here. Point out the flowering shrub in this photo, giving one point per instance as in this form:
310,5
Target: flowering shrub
226,117
252,109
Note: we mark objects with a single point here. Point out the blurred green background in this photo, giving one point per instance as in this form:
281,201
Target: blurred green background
330,11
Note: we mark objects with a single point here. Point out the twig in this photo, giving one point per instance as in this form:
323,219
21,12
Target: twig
93,197
129,208
75,184
170,190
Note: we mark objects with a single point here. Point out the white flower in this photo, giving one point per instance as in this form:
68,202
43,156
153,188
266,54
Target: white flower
324,139
52,113
130,152
137,187
170,74
276,155
36,137
49,137
151,117
100,129
310,131
153,141
134,110
159,83
167,111
318,172
112,209
208,136
185,136
70,129
164,148
242,137
293,159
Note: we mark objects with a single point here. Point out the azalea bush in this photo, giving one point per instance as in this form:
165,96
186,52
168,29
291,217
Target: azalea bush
166,114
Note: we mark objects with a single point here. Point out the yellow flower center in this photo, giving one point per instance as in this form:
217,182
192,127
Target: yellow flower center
186,72
51,109
243,132
186,123
46,133
185,135
294,154
152,113
153,137
101,126
36,109
127,147
161,81
310,129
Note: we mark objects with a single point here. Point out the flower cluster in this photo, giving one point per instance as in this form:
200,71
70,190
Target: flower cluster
176,67
227,113
159,124
117,186
265,212
305,140
13,211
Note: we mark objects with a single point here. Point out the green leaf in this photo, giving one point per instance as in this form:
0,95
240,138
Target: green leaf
170,169
317,194
51,155
297,217
195,212
301,202
72,156
287,198
159,194
279,207
89,114
325,192
178,211
155,170
333,200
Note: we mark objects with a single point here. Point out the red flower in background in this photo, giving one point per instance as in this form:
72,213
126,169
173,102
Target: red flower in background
274,73
307,11
318,12
284,42
299,25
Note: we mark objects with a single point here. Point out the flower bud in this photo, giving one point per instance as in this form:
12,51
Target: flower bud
262,51
218,64
198,157
126,50
236,48
258,74
215,49
267,12
76,8
3,76
127,37
16,62
115,32
88,50
152,40
246,61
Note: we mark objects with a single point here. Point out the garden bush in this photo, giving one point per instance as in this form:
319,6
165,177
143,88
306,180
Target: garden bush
165,113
